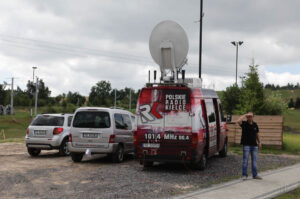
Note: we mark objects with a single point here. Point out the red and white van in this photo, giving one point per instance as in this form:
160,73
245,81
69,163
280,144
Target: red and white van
176,122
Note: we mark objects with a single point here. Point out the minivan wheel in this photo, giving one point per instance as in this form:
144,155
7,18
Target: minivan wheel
63,149
118,156
33,152
76,157
223,152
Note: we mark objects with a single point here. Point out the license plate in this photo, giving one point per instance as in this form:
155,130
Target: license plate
39,133
151,145
90,135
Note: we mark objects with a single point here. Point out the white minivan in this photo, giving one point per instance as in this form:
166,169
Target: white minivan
97,130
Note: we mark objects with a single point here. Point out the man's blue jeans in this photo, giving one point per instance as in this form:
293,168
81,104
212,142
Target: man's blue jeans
254,152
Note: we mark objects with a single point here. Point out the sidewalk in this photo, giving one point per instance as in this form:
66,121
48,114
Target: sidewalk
274,183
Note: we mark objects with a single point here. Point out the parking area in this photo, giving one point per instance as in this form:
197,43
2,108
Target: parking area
52,176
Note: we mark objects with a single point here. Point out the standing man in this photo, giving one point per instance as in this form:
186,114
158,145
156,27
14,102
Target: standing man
251,142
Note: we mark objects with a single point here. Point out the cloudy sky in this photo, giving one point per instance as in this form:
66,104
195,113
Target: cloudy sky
76,43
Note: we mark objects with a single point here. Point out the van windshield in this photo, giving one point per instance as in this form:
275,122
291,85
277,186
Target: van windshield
47,120
87,119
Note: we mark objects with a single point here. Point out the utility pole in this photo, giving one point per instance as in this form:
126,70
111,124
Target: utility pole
36,95
115,101
200,39
237,44
130,100
12,97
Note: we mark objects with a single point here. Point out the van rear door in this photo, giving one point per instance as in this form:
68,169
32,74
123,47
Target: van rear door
91,128
164,121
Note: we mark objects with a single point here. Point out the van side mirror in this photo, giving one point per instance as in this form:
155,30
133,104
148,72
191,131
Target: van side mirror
229,117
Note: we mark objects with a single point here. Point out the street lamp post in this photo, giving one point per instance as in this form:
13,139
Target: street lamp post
237,44
33,69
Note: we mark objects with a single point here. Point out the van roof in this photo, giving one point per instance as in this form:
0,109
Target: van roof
197,92
114,110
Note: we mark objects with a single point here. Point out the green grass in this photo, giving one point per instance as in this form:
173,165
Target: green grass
291,118
291,145
291,195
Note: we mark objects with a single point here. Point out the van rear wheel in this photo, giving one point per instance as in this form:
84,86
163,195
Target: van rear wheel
201,164
118,156
223,152
76,157
33,152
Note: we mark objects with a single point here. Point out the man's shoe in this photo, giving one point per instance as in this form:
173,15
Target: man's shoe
257,178
244,178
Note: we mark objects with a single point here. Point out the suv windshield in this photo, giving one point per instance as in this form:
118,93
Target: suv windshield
47,120
91,120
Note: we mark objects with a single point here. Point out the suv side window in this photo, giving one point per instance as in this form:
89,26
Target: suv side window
127,121
70,120
119,123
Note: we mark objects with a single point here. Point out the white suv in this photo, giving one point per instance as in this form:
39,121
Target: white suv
47,132
103,131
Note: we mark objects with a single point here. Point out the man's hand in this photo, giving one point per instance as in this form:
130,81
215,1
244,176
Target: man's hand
259,146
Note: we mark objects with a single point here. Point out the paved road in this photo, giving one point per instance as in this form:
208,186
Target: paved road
274,183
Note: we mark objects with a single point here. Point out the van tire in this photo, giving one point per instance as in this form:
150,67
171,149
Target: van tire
63,149
201,164
76,157
223,152
33,152
118,156
147,163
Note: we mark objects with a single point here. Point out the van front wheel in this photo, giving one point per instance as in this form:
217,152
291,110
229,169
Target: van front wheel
118,156
223,152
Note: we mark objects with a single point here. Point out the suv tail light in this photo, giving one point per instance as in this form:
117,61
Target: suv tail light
195,140
70,138
112,138
57,131
27,131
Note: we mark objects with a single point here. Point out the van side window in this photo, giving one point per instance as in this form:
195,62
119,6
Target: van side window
210,112
70,120
119,123
127,121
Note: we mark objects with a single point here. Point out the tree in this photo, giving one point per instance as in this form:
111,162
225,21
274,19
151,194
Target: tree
44,92
291,103
231,98
75,98
99,95
297,104
252,94
2,95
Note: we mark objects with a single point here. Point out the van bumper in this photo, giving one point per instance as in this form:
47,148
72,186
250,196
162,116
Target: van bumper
94,149
43,143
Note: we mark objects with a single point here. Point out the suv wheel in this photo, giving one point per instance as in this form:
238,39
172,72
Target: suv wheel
63,149
76,157
223,152
118,156
33,152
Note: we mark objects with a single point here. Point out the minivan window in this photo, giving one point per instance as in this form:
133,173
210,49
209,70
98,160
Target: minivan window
48,120
222,114
70,120
210,112
119,121
127,121
87,119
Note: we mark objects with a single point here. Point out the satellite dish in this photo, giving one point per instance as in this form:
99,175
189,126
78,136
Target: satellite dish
169,46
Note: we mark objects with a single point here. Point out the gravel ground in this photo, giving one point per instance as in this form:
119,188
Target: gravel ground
52,176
